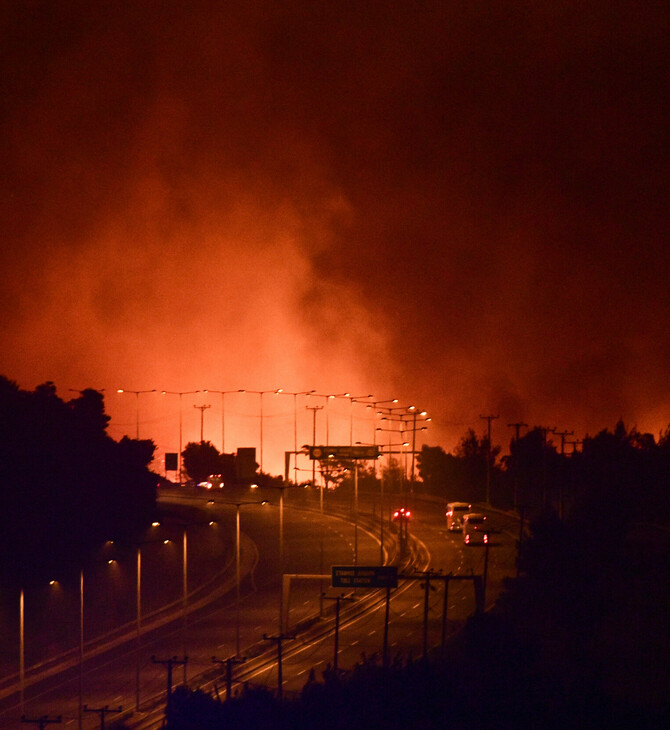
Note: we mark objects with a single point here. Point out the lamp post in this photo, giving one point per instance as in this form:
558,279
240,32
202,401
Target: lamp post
185,527
403,454
223,394
180,393
137,407
238,506
138,608
261,393
353,399
22,652
295,429
403,419
81,646
372,406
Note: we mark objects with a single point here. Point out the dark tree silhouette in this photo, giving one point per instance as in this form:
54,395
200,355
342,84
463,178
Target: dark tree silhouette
65,485
203,459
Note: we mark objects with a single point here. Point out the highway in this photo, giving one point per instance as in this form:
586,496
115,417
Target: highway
211,624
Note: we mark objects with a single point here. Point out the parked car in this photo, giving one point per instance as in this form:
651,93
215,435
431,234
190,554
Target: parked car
475,529
454,514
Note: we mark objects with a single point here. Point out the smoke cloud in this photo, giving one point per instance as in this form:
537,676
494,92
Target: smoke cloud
463,206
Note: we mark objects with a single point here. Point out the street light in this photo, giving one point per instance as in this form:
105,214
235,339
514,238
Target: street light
237,506
138,607
137,408
353,399
180,393
372,406
81,644
295,430
261,393
185,527
404,419
223,394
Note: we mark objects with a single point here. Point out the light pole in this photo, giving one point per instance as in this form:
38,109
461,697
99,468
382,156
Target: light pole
261,393
404,419
295,430
180,393
22,652
137,393
138,608
402,453
185,527
372,406
223,394
353,399
81,645
238,506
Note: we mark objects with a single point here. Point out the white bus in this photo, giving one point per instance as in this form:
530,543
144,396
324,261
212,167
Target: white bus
454,513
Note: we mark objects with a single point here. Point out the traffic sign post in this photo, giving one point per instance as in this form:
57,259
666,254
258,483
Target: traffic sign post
361,576
344,453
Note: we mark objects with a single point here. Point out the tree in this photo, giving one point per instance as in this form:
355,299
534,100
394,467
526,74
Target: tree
201,459
66,487
432,465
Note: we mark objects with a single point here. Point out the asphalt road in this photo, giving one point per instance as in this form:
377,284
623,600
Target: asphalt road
216,623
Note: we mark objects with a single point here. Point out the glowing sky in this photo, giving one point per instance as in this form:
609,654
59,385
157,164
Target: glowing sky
460,204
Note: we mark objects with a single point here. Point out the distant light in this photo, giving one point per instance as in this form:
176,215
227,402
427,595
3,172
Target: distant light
111,562
155,524
165,542
53,582
212,522
119,390
253,486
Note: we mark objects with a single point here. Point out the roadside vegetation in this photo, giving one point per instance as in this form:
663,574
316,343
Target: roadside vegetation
66,487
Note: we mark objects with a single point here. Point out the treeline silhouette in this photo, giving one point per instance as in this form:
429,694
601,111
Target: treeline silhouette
66,486
622,470
579,638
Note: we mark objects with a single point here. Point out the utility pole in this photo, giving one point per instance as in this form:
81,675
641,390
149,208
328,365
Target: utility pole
314,409
338,599
43,721
517,427
563,434
488,419
102,711
229,671
278,640
202,410
427,587
169,663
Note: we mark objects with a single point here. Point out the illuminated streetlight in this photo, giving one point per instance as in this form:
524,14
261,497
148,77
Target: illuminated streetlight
237,506
404,419
138,608
261,393
295,431
137,408
180,393
353,399
223,394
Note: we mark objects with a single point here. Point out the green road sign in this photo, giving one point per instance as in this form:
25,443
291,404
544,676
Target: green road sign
365,576
344,453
